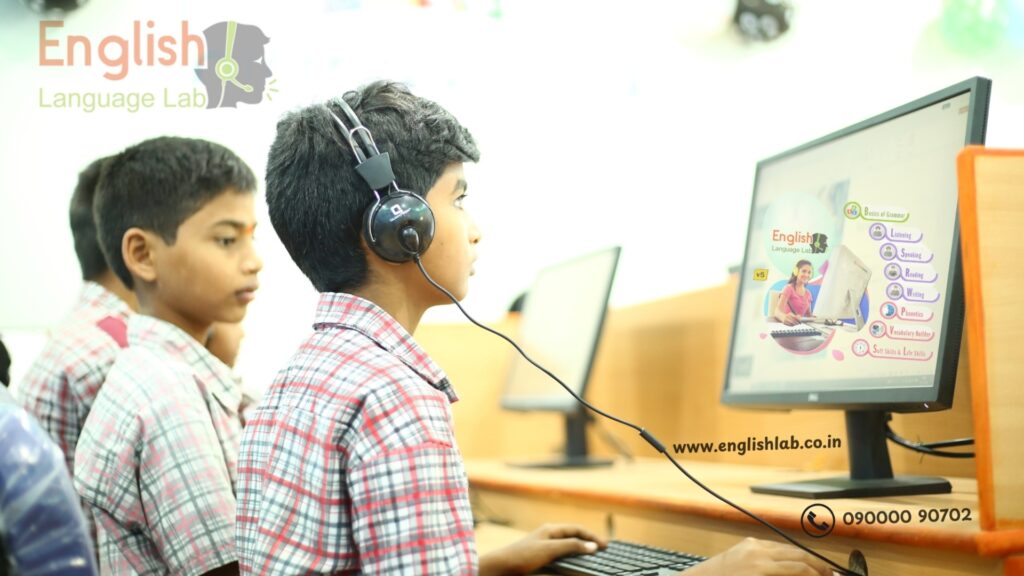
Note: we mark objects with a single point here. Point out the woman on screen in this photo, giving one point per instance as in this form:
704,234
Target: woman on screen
795,300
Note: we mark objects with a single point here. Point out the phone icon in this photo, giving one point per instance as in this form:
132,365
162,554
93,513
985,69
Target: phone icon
813,521
818,520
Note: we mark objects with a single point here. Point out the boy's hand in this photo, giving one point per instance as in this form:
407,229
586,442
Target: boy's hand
223,341
540,548
760,558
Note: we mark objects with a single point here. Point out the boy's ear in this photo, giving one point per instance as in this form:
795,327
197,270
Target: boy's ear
138,248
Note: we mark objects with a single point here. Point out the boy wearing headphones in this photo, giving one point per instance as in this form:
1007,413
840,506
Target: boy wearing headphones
349,464
157,456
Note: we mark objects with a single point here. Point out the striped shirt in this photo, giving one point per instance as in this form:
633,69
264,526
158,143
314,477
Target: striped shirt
157,457
349,464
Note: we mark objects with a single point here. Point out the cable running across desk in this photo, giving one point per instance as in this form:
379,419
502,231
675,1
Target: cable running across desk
647,436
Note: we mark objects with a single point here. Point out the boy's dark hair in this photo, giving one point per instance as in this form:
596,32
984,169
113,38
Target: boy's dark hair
317,200
83,224
158,184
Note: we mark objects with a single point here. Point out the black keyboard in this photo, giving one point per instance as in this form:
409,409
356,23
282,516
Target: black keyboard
625,559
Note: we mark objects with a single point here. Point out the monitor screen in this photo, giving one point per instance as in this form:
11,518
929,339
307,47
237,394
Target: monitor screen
850,292
560,327
851,295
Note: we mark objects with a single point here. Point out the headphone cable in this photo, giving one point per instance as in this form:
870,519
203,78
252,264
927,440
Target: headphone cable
647,436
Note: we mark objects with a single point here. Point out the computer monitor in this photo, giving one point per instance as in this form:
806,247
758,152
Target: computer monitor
860,229
560,327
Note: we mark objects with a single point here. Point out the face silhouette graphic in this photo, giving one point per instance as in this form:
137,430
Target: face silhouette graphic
819,243
236,68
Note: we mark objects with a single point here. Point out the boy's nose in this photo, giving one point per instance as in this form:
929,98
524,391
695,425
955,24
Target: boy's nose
474,233
253,264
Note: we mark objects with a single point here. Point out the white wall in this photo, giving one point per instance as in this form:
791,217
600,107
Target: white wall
636,123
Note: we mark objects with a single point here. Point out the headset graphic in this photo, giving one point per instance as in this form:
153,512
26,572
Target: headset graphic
398,226
227,67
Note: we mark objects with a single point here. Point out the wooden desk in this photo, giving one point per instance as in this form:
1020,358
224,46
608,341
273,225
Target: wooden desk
649,501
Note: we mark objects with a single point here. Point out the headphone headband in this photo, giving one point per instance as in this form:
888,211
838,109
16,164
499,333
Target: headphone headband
373,166
358,128
399,226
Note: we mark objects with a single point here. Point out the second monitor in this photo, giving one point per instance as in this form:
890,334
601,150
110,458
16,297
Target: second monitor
560,327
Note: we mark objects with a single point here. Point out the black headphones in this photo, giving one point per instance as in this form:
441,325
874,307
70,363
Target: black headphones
399,226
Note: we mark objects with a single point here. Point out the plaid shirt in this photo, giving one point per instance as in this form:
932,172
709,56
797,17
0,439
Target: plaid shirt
61,385
349,464
157,458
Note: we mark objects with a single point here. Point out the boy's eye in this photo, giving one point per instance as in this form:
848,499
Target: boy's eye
459,200
225,242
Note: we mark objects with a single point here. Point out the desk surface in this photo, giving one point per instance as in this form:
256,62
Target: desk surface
490,537
655,485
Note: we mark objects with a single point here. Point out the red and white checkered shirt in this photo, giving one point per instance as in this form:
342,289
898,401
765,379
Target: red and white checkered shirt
61,385
349,464
157,457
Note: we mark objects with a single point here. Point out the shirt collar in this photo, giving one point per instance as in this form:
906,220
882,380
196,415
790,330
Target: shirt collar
149,332
365,317
97,297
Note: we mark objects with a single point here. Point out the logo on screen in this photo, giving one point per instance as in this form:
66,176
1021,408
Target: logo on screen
819,243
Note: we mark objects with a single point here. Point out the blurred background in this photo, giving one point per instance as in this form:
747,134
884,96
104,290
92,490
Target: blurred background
635,123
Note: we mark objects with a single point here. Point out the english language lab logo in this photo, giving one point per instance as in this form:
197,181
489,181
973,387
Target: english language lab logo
237,70
819,243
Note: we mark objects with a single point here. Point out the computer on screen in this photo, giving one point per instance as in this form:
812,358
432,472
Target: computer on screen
842,291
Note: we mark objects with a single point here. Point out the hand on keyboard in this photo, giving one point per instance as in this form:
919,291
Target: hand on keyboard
750,558
540,548
759,558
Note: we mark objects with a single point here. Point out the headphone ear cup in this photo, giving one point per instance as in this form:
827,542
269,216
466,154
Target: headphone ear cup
399,227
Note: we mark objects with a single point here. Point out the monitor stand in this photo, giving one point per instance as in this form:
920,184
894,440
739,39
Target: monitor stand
575,447
870,468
